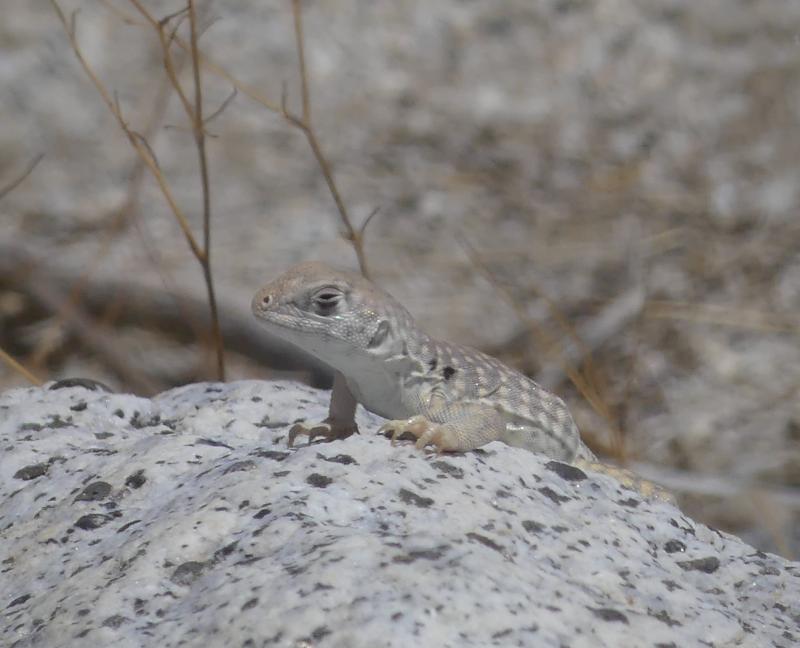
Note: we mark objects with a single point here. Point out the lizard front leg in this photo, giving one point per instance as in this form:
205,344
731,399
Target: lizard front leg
341,420
455,427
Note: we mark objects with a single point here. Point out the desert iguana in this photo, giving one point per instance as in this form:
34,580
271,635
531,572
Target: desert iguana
451,396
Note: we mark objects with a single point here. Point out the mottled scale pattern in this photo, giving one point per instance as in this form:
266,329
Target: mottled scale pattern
535,418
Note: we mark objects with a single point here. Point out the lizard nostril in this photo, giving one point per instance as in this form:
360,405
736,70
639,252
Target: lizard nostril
265,300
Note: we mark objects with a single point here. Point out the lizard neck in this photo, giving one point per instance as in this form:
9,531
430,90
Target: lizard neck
378,374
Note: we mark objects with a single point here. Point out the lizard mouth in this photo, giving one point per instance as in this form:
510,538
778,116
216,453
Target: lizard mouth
272,317
289,322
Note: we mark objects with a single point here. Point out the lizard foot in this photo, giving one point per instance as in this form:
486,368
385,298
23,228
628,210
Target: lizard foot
425,431
327,429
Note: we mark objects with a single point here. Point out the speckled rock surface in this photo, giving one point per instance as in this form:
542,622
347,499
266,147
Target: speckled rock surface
185,520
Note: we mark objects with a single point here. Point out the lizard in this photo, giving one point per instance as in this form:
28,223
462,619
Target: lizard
453,397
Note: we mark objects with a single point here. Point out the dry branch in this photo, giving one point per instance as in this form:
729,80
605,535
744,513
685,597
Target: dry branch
4,191
303,123
19,271
142,148
6,357
19,368
136,140
123,217
168,313
194,113
198,126
723,315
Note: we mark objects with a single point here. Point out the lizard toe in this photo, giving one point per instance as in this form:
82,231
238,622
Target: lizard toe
439,436
393,427
416,426
300,429
325,430
429,436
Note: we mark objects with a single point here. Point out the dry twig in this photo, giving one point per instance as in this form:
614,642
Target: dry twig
198,124
4,191
723,315
150,308
123,217
302,122
22,272
6,357
137,141
194,112
142,148
16,366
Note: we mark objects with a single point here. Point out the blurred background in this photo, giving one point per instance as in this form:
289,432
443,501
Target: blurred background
603,193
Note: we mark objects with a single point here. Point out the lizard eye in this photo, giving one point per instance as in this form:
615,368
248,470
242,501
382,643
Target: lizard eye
326,300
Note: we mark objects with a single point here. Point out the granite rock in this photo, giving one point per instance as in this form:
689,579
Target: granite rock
184,520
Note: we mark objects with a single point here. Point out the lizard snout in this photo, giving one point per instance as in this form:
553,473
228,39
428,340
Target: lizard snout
262,300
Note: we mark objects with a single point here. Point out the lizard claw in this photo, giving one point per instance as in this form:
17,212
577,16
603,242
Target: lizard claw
328,430
421,428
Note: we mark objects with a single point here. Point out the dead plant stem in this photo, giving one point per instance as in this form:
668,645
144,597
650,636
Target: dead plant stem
4,191
198,125
142,149
304,123
16,366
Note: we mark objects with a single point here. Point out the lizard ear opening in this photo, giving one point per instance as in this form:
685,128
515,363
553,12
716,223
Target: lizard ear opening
380,335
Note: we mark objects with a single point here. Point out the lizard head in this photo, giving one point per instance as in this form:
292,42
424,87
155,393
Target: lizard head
332,314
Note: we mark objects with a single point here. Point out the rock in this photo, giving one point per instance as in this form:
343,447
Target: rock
192,524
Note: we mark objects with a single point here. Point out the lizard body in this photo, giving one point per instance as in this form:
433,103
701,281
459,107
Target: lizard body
451,396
